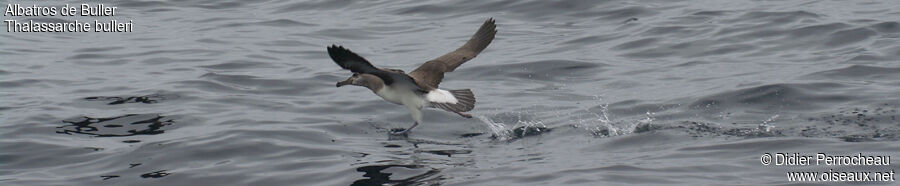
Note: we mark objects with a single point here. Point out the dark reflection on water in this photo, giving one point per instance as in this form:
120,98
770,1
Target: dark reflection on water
120,126
469,135
113,100
155,174
376,175
448,153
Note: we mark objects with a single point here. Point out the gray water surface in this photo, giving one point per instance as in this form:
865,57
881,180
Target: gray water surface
569,93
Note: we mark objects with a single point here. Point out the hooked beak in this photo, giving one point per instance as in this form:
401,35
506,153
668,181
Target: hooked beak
342,83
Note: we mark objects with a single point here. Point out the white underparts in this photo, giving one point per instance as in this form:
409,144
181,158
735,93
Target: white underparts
440,96
406,97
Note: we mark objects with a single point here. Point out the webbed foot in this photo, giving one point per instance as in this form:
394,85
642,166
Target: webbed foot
399,131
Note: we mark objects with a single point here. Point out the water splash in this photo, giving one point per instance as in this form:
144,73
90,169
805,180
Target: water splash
605,127
521,128
600,123
595,120
765,126
497,129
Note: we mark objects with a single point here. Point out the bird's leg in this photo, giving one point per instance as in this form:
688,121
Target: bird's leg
463,114
416,113
411,127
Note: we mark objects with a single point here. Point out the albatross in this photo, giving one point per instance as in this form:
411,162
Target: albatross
419,88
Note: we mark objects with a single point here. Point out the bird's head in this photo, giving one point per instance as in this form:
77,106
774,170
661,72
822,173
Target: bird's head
366,80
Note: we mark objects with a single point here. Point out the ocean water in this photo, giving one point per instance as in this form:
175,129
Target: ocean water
569,93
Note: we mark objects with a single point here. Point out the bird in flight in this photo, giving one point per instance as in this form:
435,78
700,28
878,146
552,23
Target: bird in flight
419,88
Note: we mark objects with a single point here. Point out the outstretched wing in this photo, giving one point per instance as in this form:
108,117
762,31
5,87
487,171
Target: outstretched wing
432,72
349,60
355,63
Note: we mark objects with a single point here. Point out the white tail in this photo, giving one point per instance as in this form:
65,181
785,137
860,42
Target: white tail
462,100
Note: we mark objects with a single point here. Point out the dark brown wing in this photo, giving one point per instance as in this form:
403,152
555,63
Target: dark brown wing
431,73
